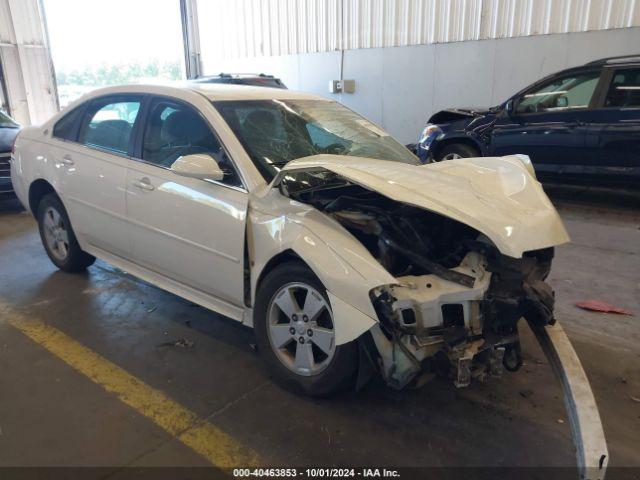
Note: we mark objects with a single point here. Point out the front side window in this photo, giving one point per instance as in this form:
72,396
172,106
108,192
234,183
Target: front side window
274,132
574,91
624,90
174,130
108,124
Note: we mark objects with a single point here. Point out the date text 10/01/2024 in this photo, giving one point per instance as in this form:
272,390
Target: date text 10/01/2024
316,472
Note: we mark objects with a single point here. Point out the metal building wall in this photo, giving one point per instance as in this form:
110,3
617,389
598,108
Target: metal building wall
26,62
251,28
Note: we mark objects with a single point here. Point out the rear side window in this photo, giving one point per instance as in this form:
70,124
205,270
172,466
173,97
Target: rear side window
65,128
624,90
108,124
573,91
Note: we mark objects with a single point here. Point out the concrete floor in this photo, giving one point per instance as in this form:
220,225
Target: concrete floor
51,415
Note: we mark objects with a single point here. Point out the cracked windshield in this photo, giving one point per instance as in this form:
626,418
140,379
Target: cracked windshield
274,132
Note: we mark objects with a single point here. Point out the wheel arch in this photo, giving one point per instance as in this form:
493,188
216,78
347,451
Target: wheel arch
347,276
468,141
284,256
37,191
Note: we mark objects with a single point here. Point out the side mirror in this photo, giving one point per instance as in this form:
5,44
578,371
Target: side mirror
198,165
562,102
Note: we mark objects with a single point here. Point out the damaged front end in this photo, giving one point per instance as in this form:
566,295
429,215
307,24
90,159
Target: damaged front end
469,245
455,308
458,330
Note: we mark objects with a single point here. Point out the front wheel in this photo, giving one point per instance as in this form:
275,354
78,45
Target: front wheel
455,151
58,238
295,331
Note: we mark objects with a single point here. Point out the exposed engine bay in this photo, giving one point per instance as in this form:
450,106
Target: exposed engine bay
456,305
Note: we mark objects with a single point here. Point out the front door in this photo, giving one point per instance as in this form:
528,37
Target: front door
549,123
187,229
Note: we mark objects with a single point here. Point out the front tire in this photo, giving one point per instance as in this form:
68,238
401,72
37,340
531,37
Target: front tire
58,238
295,332
455,151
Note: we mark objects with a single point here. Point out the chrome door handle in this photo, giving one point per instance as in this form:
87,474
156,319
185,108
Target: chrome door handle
144,184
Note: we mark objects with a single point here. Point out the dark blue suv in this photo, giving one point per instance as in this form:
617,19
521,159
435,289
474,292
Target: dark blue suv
578,124
8,132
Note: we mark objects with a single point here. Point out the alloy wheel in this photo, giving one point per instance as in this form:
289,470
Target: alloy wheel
301,329
56,234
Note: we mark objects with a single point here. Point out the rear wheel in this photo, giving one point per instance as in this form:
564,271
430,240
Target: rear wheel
295,332
58,238
455,151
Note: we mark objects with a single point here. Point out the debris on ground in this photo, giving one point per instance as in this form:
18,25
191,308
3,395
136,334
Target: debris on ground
623,379
635,399
152,309
253,347
525,393
560,420
603,307
181,342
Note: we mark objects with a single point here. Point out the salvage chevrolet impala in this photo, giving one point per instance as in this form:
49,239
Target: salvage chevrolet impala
294,215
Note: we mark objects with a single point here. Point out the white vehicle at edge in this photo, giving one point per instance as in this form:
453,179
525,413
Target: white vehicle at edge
291,214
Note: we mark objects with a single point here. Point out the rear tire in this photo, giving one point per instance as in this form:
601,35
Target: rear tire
58,237
455,151
312,363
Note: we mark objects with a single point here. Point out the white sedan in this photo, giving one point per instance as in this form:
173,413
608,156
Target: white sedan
292,214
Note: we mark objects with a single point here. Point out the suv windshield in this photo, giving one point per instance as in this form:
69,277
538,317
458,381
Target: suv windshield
274,132
6,121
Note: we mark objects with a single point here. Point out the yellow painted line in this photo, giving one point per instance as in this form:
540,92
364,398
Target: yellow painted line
204,438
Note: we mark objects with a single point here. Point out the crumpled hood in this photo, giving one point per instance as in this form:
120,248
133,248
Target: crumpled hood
495,195
470,110
455,114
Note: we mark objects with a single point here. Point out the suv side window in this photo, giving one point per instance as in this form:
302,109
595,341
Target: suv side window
64,129
573,91
624,90
108,123
174,129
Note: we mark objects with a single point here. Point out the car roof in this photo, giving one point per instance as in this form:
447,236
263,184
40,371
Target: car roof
620,60
212,91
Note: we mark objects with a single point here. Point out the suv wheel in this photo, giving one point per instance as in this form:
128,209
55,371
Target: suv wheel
457,150
295,332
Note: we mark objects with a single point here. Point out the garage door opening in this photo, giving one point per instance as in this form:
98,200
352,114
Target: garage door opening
95,43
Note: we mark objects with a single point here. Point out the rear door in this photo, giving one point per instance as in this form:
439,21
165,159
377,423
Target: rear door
187,229
549,122
91,149
615,134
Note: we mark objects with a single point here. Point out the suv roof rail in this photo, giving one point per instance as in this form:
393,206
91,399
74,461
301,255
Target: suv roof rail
231,75
619,59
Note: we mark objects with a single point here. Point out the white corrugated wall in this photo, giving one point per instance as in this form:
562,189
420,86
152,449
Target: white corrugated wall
250,28
26,61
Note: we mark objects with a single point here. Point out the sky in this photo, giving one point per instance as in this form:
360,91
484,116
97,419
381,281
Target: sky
89,33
